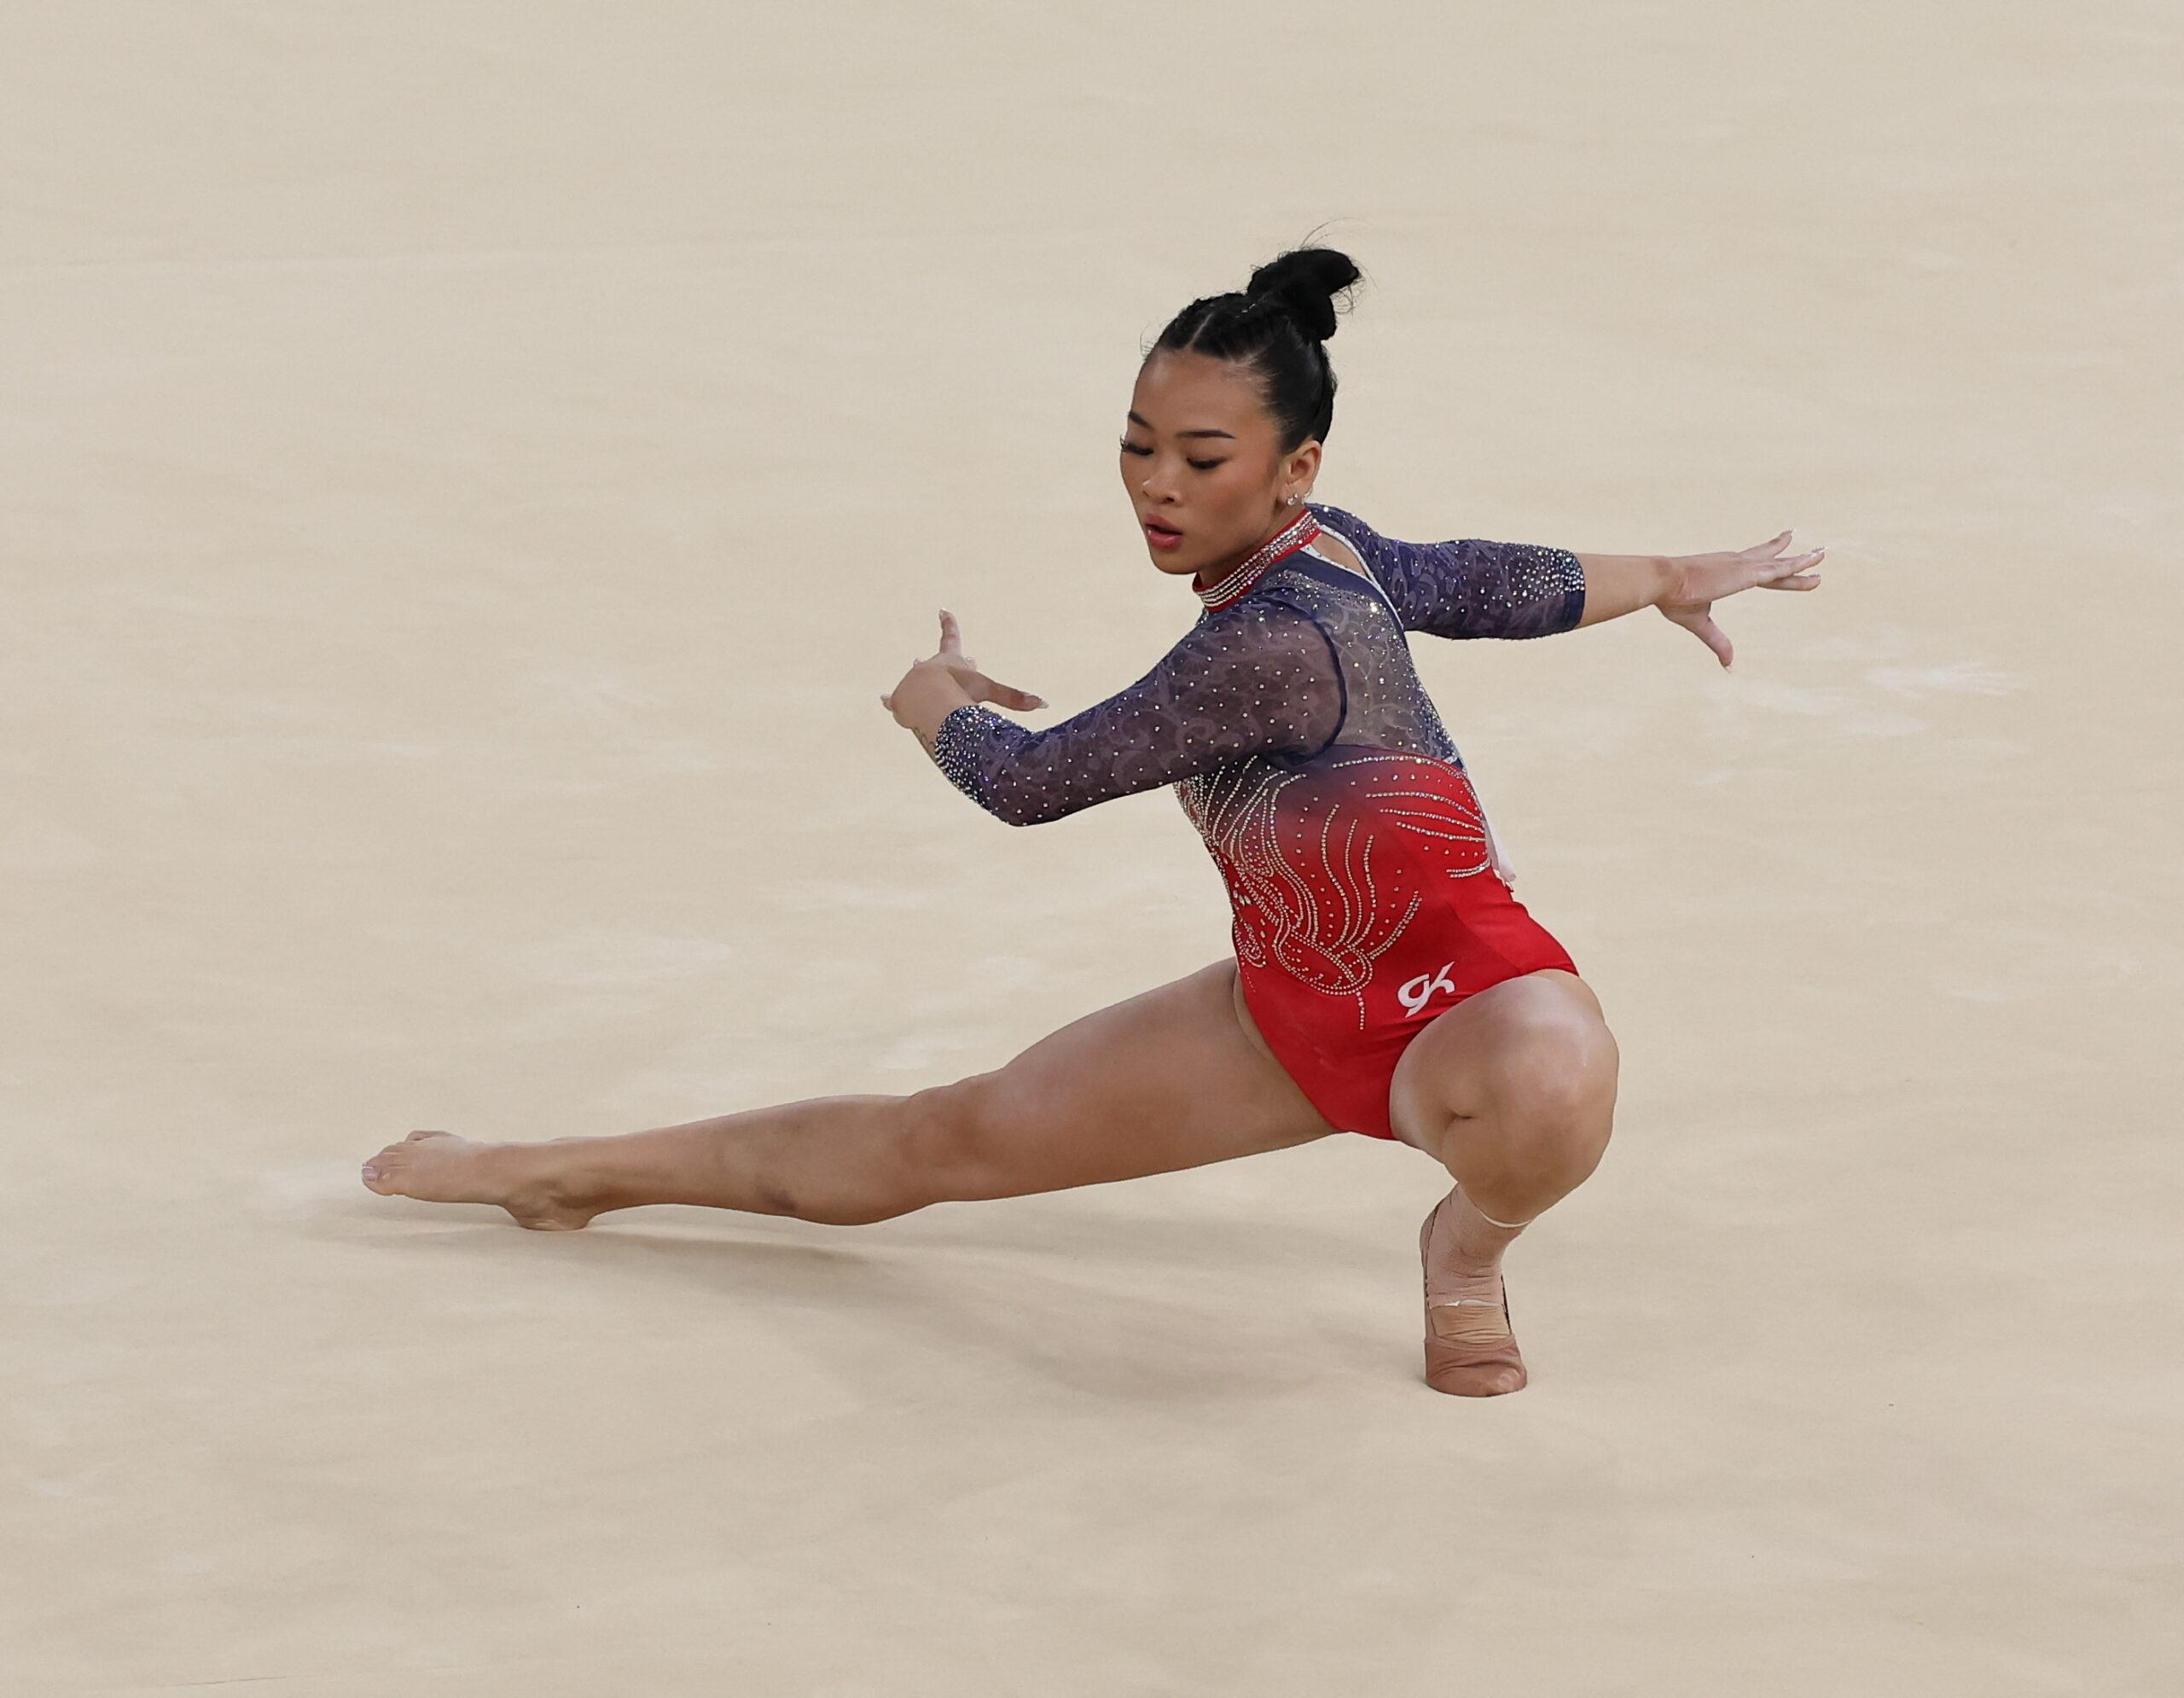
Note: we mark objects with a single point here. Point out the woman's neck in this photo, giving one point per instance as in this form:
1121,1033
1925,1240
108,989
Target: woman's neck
1218,584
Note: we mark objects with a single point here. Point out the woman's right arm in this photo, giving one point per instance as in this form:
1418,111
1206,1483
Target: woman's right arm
1259,677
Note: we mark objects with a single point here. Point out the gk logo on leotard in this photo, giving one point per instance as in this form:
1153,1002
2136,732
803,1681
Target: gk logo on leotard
1414,992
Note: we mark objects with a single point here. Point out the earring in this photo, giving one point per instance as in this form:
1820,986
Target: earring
1293,501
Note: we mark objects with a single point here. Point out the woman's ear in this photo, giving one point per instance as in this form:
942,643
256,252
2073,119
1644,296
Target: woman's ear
1301,469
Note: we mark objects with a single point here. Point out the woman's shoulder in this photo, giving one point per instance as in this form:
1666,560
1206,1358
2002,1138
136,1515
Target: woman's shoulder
1341,520
1345,540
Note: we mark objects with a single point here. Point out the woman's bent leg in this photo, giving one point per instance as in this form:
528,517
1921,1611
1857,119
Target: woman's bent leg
1167,1079
1513,1091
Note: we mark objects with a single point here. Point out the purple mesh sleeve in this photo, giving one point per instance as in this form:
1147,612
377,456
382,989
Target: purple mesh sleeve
1257,677
1469,588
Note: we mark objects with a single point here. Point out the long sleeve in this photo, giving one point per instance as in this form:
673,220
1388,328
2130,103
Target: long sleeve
1469,588
1257,677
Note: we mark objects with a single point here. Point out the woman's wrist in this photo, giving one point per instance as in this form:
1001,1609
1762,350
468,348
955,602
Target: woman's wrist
1668,578
928,695
1616,584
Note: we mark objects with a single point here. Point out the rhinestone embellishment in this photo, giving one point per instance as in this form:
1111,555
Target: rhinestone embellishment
1246,572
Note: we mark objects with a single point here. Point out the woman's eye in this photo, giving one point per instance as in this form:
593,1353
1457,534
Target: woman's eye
1206,465
1134,448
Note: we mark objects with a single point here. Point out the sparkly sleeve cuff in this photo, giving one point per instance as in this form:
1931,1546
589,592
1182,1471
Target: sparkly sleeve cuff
1571,572
956,744
1541,591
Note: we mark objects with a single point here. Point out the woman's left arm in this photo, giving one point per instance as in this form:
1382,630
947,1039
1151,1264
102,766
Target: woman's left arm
1684,587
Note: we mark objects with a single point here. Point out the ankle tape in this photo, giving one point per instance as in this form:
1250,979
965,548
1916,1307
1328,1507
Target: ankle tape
1506,1225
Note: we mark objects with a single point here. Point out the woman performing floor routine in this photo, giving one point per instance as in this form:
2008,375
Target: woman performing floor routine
1384,980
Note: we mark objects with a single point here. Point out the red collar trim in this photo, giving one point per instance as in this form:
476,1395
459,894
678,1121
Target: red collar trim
1248,571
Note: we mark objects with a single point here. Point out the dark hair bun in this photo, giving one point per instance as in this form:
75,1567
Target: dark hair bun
1304,281
1278,327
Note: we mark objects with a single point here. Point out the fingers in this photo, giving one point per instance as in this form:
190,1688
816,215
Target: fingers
965,670
1714,637
1776,574
1772,545
1006,695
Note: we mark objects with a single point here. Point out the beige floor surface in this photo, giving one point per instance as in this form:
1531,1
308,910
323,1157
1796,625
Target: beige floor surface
467,470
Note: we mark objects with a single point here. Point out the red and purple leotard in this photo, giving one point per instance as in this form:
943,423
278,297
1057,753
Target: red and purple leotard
1367,895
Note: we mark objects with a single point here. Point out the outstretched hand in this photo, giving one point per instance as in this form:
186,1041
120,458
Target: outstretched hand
1701,580
950,661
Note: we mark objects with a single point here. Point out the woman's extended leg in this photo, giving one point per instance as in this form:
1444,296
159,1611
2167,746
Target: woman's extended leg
1513,1091
1172,1077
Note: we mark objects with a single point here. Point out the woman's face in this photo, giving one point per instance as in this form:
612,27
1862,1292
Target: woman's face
1203,465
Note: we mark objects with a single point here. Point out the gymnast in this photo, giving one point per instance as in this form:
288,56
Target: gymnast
1385,981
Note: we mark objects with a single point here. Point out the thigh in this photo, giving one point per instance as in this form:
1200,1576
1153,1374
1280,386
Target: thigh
1543,1033
1170,1079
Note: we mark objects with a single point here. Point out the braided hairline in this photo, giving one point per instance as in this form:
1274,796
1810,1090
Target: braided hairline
1215,313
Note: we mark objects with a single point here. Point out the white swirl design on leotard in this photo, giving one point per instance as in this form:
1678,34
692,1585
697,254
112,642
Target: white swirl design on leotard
1321,915
1430,814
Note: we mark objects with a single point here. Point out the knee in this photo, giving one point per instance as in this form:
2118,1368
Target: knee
1552,1083
950,1142
933,1149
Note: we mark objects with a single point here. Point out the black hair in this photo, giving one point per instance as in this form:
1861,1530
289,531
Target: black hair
1278,324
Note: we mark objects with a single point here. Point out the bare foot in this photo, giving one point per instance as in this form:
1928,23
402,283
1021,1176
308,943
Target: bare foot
439,1167
1470,1352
